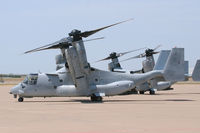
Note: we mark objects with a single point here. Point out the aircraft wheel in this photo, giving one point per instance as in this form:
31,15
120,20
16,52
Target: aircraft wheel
141,92
133,91
151,92
92,98
20,99
96,98
99,99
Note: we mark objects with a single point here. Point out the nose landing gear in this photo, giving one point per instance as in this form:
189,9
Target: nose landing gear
20,99
15,96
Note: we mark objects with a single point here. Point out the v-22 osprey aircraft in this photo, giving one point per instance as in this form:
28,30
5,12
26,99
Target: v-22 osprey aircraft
148,65
78,78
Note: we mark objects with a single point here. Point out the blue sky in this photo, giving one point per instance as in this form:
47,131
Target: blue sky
29,24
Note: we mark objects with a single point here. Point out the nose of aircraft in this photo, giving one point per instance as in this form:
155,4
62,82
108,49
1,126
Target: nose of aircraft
16,89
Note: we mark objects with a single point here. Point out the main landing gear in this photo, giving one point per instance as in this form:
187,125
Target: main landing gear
96,98
20,99
141,92
152,92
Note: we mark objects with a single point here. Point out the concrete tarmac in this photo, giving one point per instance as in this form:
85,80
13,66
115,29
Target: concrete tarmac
176,111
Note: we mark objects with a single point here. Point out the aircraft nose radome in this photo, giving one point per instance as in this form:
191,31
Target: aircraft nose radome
12,90
15,90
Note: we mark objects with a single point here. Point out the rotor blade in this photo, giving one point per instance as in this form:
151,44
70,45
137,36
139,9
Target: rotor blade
49,46
41,49
107,58
135,57
89,33
57,45
157,47
99,38
124,53
156,52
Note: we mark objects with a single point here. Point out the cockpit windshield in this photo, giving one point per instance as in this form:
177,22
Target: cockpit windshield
31,79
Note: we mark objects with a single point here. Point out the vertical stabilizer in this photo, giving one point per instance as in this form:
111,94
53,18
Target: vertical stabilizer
174,68
196,72
162,59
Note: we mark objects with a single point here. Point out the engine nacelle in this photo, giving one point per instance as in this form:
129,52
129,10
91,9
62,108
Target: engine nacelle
78,76
114,64
80,48
148,64
60,59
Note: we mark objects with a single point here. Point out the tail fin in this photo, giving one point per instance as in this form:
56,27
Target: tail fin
196,72
174,68
162,59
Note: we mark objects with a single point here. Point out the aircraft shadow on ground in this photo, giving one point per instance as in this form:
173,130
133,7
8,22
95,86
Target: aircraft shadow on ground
112,101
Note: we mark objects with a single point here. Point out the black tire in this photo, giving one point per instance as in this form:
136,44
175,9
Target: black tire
93,98
96,98
141,92
134,91
151,92
99,99
20,99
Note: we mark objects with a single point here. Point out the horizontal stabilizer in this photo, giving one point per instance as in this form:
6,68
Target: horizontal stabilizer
196,72
175,65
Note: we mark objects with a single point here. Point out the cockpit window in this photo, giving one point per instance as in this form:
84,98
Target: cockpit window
31,79
25,80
